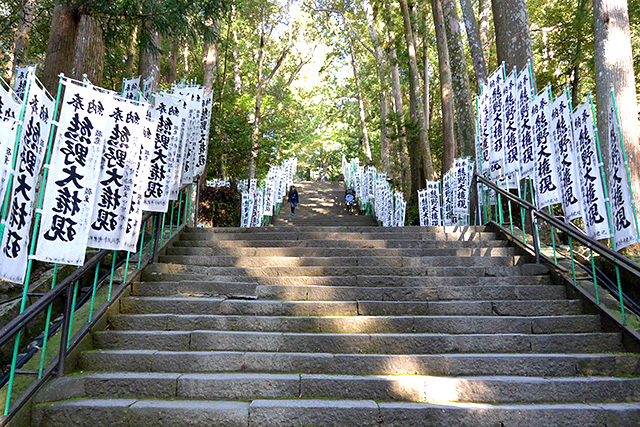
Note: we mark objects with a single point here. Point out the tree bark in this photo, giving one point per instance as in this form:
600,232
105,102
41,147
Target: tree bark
171,70
61,45
465,112
614,68
448,120
132,51
427,84
21,36
363,123
513,38
210,65
237,81
150,56
383,66
402,150
423,150
475,43
485,26
90,50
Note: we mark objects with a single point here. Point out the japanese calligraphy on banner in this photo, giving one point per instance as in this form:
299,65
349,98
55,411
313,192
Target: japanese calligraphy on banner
123,138
147,87
22,80
166,115
511,152
131,88
205,126
34,138
191,137
134,220
400,210
9,112
624,229
590,179
447,199
73,175
247,209
523,115
496,125
484,138
423,207
562,141
461,185
269,198
547,183
435,207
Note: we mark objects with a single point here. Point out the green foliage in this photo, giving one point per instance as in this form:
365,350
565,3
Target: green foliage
220,207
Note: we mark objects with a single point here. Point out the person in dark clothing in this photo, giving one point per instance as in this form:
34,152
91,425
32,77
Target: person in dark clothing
293,199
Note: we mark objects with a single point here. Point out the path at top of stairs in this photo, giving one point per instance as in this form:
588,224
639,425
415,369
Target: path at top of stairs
348,326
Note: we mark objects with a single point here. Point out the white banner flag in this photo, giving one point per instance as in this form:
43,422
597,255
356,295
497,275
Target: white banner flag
9,114
34,137
435,207
523,114
205,126
484,134
120,160
562,141
246,209
591,186
269,193
511,153
131,88
546,183
167,116
624,229
147,85
179,140
22,80
496,125
447,198
461,185
423,207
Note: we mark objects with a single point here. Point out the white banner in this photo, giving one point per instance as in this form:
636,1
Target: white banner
205,126
9,115
624,229
562,140
484,135
399,207
511,153
34,137
546,180
435,208
423,207
22,79
147,84
131,88
120,159
141,179
156,195
523,113
178,140
496,125
246,209
591,185
269,198
461,185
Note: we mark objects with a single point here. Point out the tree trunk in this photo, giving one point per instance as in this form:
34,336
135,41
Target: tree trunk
61,45
475,43
171,70
402,150
363,123
485,26
614,68
465,112
427,84
209,65
21,36
513,38
383,66
90,50
237,81
448,121
150,56
424,150
132,51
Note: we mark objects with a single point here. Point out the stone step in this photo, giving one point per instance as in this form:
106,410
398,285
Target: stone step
339,252
416,343
455,365
200,272
360,324
351,261
207,305
407,388
317,243
320,412
373,234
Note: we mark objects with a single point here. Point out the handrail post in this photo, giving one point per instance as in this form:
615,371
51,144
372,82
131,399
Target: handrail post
196,208
66,325
534,234
156,242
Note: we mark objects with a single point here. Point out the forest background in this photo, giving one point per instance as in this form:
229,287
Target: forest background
392,82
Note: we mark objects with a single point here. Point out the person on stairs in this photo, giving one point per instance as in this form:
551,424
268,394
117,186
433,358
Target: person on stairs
293,199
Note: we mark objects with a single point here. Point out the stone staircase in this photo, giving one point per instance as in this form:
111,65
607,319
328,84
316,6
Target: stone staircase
347,326
321,204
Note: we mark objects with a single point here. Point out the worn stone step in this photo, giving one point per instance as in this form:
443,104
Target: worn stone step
408,388
337,252
134,412
200,271
195,288
417,343
455,365
362,261
209,305
438,293
360,324
317,243
373,234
